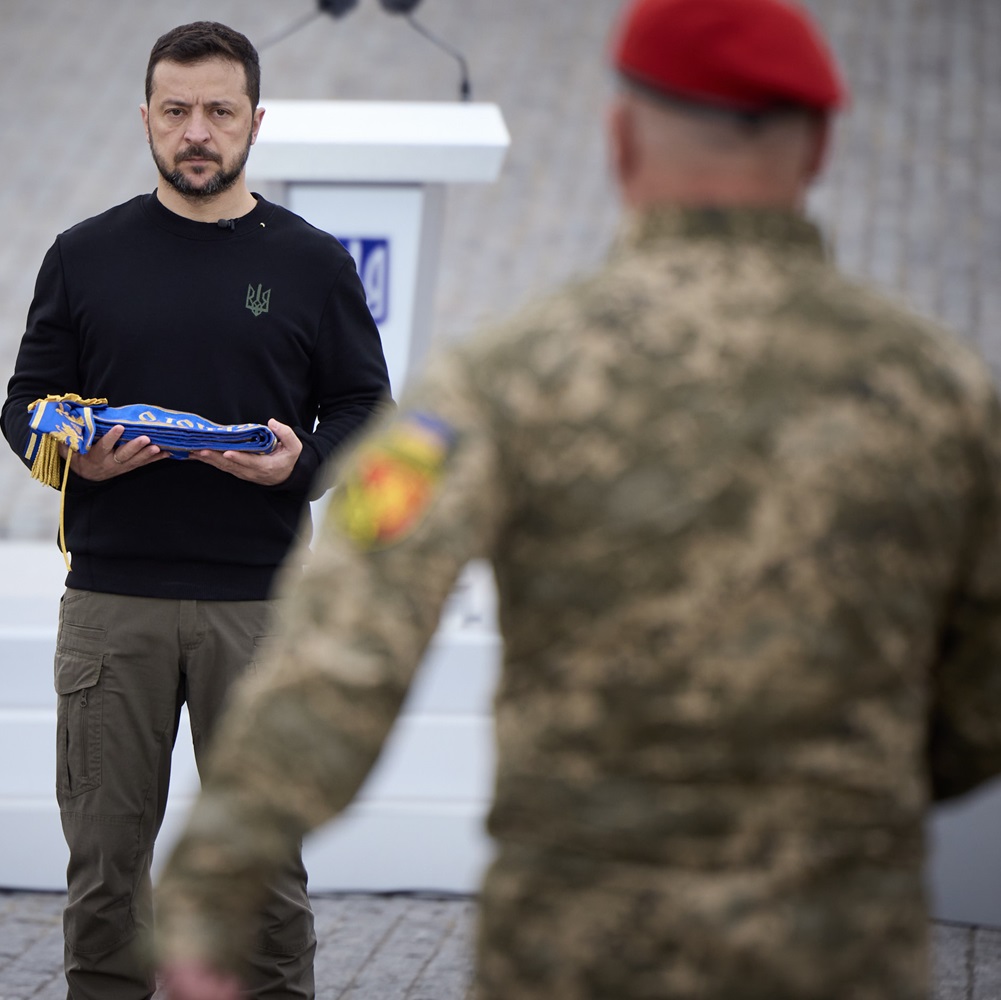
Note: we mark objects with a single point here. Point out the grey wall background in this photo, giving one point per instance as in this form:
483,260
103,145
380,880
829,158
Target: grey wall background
911,198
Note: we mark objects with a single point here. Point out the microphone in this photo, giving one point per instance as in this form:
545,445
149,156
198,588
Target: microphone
338,8
406,7
335,8
227,224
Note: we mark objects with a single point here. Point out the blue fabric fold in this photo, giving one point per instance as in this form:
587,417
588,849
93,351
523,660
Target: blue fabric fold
79,423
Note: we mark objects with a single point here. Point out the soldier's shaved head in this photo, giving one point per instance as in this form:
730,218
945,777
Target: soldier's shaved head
672,151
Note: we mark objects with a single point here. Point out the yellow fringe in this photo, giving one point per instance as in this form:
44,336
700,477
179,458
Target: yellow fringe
62,513
66,397
45,467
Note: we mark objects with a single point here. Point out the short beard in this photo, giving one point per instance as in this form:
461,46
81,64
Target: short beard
221,181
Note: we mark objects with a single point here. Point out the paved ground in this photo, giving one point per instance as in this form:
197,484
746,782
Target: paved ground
371,947
912,200
409,948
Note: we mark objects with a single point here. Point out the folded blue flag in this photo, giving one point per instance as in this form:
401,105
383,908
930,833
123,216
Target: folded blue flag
78,423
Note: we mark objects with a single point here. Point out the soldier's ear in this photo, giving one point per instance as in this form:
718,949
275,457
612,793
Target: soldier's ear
820,141
144,114
622,146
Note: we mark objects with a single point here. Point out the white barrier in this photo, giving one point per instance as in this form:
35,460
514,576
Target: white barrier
417,823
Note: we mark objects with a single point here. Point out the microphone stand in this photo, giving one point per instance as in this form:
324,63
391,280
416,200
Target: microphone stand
337,8
465,90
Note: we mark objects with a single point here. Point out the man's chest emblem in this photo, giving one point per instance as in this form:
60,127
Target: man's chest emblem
258,301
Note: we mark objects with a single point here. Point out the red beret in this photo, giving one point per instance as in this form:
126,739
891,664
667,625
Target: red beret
751,55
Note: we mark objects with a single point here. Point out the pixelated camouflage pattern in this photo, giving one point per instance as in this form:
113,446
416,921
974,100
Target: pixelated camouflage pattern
558,925
744,520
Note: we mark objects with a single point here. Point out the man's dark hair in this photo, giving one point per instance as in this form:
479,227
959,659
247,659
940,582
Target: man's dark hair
191,43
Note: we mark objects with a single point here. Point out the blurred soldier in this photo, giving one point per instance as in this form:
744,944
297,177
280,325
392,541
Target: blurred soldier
745,521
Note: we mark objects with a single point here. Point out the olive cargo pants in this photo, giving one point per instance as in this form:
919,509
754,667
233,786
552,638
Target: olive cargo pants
124,666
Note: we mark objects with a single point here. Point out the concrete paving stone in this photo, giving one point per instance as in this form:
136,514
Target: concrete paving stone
449,973
54,989
986,963
402,947
360,927
25,920
404,953
34,965
952,946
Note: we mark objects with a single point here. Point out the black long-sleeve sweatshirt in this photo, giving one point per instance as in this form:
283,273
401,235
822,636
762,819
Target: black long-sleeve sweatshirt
265,319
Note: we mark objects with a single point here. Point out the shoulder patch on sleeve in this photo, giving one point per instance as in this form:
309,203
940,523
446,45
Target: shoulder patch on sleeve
392,480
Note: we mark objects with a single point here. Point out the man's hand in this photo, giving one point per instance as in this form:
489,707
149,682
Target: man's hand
195,981
107,459
268,470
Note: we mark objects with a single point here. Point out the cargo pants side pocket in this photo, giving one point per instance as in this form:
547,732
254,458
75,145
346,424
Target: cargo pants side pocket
78,721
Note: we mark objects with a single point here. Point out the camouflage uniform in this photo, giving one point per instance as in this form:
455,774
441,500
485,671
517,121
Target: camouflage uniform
745,520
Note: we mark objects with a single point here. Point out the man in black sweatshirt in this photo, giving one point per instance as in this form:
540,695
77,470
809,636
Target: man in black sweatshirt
205,298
